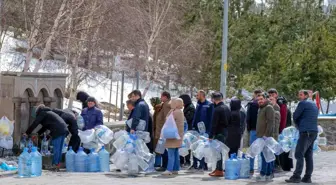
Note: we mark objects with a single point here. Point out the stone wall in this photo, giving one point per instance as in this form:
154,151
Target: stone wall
329,128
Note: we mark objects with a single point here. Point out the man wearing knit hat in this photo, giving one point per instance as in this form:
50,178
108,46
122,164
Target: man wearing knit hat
92,115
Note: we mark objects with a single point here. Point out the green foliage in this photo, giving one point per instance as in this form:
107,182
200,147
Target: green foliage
285,44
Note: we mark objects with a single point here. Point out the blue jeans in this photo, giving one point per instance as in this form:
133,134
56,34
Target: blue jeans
57,143
253,137
173,160
266,168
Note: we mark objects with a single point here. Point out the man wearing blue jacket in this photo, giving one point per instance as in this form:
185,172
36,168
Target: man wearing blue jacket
305,117
203,113
140,111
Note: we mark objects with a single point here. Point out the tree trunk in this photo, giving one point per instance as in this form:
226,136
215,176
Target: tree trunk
51,37
327,111
32,40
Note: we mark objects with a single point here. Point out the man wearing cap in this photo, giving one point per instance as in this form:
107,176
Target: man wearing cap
92,115
220,121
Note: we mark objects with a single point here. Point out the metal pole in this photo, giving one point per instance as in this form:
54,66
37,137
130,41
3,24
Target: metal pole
109,115
224,48
121,114
137,80
115,112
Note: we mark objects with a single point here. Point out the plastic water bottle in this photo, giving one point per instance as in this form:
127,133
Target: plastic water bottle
80,122
80,161
30,145
93,161
160,146
25,164
44,145
268,154
70,160
256,147
183,151
141,162
322,141
244,167
104,158
121,141
151,163
133,165
36,159
201,127
232,168
23,143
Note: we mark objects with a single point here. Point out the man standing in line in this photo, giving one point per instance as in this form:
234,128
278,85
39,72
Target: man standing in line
161,113
140,111
203,113
251,122
305,117
265,125
286,163
220,122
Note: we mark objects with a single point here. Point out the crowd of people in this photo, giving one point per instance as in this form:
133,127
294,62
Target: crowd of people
264,116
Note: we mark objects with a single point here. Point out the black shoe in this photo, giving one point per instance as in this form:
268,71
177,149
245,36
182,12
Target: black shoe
161,169
306,180
293,180
118,170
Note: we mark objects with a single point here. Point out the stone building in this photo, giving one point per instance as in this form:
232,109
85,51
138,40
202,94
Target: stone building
21,92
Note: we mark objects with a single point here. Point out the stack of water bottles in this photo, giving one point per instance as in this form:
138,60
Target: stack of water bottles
96,137
237,167
81,162
132,152
30,164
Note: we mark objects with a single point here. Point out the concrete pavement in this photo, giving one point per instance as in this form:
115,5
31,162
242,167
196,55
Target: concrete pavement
324,174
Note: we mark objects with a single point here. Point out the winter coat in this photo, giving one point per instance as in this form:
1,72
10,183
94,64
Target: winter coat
140,112
189,110
276,121
82,97
305,116
92,117
69,119
282,102
265,122
49,121
234,134
252,115
176,110
161,113
220,120
203,113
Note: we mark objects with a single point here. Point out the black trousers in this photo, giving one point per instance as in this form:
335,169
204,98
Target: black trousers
304,150
222,138
74,142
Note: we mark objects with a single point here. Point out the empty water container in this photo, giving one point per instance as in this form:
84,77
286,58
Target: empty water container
80,122
80,161
256,147
322,141
289,132
23,143
133,165
142,163
268,154
93,161
119,133
232,168
121,141
201,127
44,145
151,163
183,151
160,146
244,167
122,160
36,162
87,136
25,164
70,160
273,145
320,129
104,134
104,158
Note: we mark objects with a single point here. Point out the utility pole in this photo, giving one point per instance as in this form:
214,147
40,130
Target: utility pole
121,113
137,80
224,48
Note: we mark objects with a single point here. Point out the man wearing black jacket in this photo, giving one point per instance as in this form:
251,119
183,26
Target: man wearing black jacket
57,127
220,121
251,122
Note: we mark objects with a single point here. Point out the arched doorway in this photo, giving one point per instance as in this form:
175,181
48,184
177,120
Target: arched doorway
41,95
58,97
25,109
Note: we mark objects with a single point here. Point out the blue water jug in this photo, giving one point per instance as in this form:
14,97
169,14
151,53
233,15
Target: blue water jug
93,161
30,145
25,164
104,158
244,167
70,160
80,161
232,168
36,159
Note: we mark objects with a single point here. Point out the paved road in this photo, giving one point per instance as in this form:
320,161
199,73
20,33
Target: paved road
325,173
